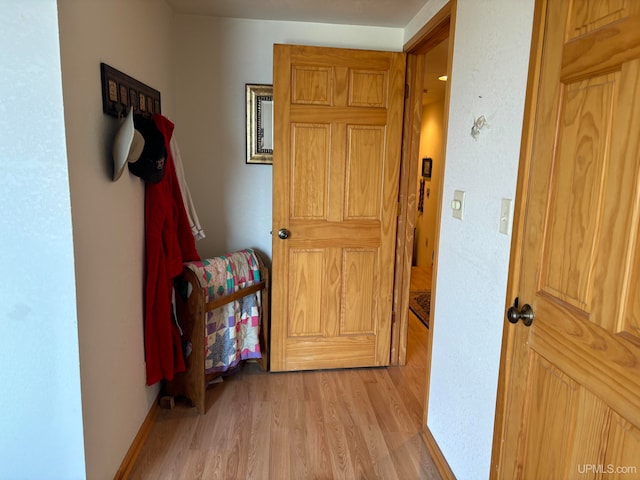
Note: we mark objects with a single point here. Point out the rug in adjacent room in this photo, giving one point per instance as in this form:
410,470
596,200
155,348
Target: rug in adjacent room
420,304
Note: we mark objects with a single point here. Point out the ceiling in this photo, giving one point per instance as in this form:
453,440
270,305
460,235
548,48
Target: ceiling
383,13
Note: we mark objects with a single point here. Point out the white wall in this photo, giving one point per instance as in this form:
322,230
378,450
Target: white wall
490,62
40,411
215,58
108,218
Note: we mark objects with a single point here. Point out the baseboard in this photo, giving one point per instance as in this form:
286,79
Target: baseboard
436,454
134,450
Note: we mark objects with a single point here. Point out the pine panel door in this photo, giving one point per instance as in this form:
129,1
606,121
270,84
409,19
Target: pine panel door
573,390
337,144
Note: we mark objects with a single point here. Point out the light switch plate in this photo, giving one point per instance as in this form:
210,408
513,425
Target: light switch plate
458,201
505,216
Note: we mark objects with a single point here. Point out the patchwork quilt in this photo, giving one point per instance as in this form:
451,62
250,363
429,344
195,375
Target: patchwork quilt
231,331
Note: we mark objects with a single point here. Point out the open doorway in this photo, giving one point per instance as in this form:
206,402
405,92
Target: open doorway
427,188
434,40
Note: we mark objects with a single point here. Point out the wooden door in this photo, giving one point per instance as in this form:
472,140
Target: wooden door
569,405
338,128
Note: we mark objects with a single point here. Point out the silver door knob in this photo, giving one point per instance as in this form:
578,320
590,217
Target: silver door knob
283,233
524,313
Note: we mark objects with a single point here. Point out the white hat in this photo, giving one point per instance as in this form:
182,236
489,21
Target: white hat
127,145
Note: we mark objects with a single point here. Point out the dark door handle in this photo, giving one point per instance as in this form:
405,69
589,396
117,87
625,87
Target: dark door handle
524,313
283,233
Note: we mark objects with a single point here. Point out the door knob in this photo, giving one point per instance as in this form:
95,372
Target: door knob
525,313
283,233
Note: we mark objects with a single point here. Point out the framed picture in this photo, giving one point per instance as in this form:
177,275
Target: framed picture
427,164
259,112
120,91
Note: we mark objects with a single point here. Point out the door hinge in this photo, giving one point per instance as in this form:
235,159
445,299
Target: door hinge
406,90
399,208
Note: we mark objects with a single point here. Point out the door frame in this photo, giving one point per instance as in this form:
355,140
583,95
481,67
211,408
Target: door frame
431,34
440,27
512,367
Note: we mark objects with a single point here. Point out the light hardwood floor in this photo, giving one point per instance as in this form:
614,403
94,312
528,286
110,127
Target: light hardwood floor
421,278
333,424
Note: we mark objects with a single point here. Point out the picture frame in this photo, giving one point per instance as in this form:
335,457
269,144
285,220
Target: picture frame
120,91
259,128
427,165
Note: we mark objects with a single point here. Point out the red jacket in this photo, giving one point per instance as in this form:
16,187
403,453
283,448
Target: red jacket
169,242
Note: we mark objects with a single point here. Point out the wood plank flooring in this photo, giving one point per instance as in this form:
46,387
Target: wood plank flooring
421,278
331,424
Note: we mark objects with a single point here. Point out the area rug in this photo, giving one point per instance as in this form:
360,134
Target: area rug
420,304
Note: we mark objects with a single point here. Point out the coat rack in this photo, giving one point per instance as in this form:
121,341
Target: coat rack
120,92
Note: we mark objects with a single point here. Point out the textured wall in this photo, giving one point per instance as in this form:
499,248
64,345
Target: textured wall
490,62
40,410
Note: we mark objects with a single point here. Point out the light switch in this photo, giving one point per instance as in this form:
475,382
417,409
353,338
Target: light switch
457,204
505,216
